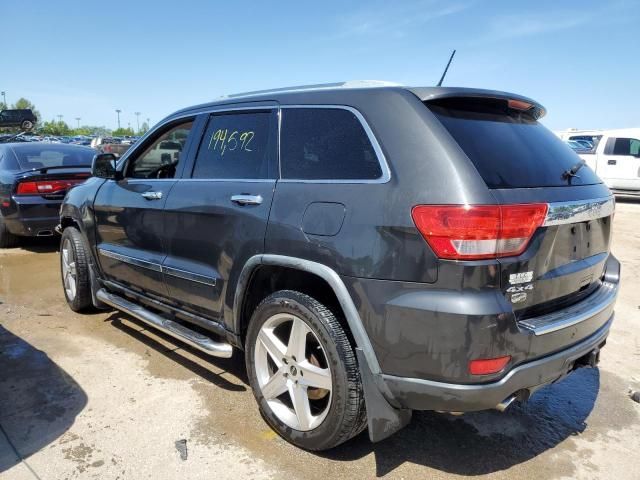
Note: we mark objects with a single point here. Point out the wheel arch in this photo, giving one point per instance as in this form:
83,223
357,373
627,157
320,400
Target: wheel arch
242,297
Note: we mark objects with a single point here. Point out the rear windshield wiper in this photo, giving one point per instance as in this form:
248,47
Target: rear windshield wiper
572,172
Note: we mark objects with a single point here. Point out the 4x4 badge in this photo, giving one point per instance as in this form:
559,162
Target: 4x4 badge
520,288
521,277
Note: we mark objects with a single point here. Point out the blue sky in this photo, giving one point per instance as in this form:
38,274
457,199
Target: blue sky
581,59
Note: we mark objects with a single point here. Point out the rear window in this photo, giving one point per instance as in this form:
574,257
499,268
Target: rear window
47,156
326,144
508,147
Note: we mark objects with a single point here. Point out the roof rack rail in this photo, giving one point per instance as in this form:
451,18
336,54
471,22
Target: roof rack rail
319,86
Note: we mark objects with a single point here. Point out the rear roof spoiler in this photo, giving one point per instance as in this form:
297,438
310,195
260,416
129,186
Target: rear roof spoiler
428,94
44,170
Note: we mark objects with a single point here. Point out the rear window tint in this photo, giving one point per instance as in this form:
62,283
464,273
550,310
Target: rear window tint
326,144
40,156
509,148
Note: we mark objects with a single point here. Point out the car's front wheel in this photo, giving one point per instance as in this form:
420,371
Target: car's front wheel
74,269
303,372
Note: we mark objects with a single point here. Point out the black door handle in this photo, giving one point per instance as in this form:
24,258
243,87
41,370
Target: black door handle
612,162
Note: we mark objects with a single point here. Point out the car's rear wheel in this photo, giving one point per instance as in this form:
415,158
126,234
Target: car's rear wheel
7,239
26,125
74,269
303,372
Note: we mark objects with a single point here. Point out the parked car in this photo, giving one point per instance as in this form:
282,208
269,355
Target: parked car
23,118
616,159
34,178
373,251
110,145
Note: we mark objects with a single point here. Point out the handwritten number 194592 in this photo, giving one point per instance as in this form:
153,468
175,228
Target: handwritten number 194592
222,141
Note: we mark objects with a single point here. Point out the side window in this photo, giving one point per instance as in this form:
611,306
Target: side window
238,145
326,144
623,146
160,159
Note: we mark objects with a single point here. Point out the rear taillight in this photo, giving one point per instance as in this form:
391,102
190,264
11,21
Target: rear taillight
473,232
47,187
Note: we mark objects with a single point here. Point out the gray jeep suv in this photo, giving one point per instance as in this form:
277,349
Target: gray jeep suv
372,249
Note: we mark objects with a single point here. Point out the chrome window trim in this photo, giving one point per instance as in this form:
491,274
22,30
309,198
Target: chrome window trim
248,180
186,275
561,213
131,260
382,159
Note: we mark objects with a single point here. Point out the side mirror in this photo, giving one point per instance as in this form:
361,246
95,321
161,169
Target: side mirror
104,166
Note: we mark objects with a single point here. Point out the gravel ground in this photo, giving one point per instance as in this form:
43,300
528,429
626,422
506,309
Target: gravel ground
100,396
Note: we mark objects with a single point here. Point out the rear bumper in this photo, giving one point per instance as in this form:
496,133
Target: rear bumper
522,381
428,333
32,216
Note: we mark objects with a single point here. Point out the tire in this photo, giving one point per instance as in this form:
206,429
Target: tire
26,125
74,269
7,239
334,414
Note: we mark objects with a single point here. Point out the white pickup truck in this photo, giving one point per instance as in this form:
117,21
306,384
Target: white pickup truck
615,157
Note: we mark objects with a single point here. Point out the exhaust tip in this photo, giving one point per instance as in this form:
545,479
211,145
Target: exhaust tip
502,406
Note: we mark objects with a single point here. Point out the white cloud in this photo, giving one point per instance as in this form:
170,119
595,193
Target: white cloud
394,18
527,24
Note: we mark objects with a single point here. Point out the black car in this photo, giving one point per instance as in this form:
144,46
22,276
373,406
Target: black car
34,178
372,250
23,118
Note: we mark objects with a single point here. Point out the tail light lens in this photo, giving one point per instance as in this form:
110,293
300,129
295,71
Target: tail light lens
487,366
47,187
473,232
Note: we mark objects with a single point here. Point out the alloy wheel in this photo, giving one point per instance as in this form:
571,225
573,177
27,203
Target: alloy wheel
69,271
293,372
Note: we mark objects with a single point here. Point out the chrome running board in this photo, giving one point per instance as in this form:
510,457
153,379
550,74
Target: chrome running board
176,330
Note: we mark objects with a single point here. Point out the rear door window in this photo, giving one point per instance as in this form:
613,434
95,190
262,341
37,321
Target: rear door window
238,145
326,144
508,147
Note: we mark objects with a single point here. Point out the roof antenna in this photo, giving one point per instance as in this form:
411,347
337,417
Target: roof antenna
446,69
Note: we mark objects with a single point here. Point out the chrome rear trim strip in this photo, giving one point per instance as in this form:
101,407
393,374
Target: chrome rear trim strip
156,267
598,302
194,277
130,260
561,213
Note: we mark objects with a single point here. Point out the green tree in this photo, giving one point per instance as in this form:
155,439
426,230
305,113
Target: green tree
144,128
119,132
90,130
54,128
